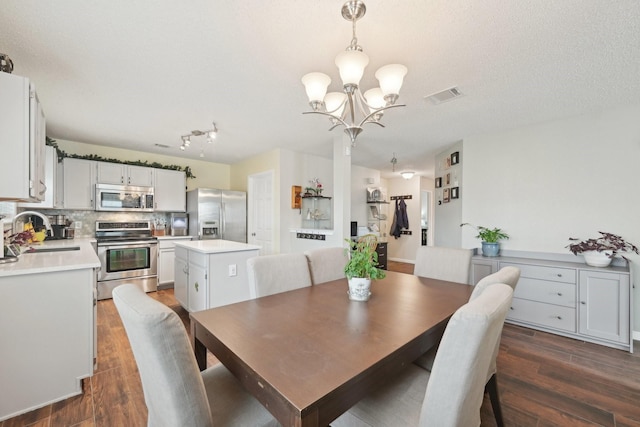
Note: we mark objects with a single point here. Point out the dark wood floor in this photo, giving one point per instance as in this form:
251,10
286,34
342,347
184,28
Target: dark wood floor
544,380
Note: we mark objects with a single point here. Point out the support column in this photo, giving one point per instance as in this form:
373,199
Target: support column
342,186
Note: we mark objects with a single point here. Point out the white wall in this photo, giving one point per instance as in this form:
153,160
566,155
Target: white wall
360,177
568,178
404,248
449,214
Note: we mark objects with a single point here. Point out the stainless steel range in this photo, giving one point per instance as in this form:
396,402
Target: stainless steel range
128,254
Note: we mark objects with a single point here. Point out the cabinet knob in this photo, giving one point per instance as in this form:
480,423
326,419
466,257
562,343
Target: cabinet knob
511,308
559,275
559,317
195,285
583,302
559,294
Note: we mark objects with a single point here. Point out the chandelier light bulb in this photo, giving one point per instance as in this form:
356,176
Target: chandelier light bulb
334,103
374,98
351,64
391,78
182,147
316,85
352,109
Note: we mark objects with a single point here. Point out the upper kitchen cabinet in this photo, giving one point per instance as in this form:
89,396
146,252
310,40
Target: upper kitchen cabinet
79,183
22,137
170,192
117,173
52,180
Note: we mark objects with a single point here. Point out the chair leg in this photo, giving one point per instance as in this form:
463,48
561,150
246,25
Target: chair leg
492,389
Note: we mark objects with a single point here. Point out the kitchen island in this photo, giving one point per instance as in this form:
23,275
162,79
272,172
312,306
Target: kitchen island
47,324
212,273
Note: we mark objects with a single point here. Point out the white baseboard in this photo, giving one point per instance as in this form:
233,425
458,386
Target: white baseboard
636,335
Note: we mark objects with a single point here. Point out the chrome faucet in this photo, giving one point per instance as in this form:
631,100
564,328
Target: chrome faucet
45,221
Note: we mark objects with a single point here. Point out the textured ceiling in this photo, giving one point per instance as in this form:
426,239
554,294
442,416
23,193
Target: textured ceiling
132,74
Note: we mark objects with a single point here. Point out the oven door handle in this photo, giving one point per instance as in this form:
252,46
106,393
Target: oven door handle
136,244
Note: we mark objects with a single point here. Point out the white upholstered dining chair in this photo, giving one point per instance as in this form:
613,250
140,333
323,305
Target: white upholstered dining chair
326,264
272,274
175,391
436,262
508,275
455,385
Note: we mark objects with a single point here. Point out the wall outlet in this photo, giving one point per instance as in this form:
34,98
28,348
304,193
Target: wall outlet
77,225
233,270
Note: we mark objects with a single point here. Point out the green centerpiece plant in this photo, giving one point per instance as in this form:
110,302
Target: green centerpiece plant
361,269
490,238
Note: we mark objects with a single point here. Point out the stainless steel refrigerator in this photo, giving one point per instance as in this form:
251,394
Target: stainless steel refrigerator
217,214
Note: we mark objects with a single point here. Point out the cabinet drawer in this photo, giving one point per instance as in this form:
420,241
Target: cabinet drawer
182,253
198,259
556,274
548,292
549,315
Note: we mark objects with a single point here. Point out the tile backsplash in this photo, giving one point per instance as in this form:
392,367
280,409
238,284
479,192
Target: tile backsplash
89,218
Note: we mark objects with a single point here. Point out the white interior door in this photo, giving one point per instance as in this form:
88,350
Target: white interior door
261,208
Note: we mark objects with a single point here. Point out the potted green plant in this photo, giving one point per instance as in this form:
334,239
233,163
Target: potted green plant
490,239
361,269
599,251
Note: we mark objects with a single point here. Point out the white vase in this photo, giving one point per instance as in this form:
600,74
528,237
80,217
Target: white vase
359,289
597,259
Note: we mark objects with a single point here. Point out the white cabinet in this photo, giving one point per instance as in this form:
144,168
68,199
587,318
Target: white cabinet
47,335
181,272
117,173
198,288
481,268
79,183
170,193
22,138
166,260
211,278
568,298
604,306
52,180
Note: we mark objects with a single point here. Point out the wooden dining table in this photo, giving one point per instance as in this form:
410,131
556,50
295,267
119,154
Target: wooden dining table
310,354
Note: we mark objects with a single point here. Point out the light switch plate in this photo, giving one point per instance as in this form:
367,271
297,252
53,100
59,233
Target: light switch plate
77,225
233,270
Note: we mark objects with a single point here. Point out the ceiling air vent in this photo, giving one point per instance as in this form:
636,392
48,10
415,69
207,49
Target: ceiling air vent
444,96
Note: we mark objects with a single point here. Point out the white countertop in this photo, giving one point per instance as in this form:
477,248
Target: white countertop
169,237
216,246
43,262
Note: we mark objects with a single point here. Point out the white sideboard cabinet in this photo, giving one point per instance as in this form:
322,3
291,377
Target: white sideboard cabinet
567,298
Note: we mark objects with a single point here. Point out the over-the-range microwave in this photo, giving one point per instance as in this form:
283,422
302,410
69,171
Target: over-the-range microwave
128,198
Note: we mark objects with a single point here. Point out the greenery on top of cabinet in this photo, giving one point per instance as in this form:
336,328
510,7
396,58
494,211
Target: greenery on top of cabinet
62,154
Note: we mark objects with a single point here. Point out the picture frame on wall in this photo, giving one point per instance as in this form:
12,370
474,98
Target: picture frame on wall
439,182
296,197
445,196
455,192
455,158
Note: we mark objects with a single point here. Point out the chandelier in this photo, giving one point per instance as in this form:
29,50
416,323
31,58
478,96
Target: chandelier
210,136
342,107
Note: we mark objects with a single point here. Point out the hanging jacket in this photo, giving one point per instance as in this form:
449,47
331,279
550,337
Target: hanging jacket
394,230
400,219
403,219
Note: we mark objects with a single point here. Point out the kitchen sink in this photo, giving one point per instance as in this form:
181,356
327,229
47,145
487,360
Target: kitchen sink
59,249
